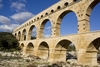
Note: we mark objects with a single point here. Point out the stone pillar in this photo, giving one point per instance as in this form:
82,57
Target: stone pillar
81,56
39,33
91,57
22,37
56,30
51,55
35,53
83,22
43,53
28,35
19,37
24,50
59,55
87,57
83,26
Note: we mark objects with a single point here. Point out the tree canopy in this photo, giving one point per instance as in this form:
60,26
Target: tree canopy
8,42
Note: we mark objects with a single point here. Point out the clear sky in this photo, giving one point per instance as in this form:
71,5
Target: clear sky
14,12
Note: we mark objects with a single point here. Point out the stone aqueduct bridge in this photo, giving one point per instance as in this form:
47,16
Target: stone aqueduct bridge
55,48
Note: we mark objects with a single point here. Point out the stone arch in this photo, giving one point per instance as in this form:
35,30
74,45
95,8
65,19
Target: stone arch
42,27
24,35
91,13
61,50
92,50
43,50
94,45
22,45
15,34
32,32
60,17
90,8
19,35
30,48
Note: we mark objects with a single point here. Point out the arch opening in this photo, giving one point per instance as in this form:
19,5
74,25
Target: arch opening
19,35
94,51
45,30
30,49
22,45
15,34
67,23
32,33
93,14
43,50
24,35
65,50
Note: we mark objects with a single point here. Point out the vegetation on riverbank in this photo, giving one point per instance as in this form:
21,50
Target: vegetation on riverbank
8,42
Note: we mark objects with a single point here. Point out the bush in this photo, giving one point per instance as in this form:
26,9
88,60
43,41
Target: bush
8,42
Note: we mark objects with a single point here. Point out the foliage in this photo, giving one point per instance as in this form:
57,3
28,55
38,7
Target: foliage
8,42
71,48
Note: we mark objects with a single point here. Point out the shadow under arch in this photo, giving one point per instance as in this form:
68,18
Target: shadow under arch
43,50
22,45
30,49
19,35
69,22
15,35
93,50
24,35
32,33
90,15
62,50
42,26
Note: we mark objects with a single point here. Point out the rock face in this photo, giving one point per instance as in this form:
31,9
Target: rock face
16,59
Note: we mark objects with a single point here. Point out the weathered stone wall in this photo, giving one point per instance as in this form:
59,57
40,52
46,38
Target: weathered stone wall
84,40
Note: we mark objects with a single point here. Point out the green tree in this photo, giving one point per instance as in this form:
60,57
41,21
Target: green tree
71,48
8,41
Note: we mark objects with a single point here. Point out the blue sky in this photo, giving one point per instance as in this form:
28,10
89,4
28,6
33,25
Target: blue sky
14,12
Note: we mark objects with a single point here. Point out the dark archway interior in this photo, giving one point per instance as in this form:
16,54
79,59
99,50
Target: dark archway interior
19,36
43,50
32,32
95,47
64,51
30,48
24,34
22,45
